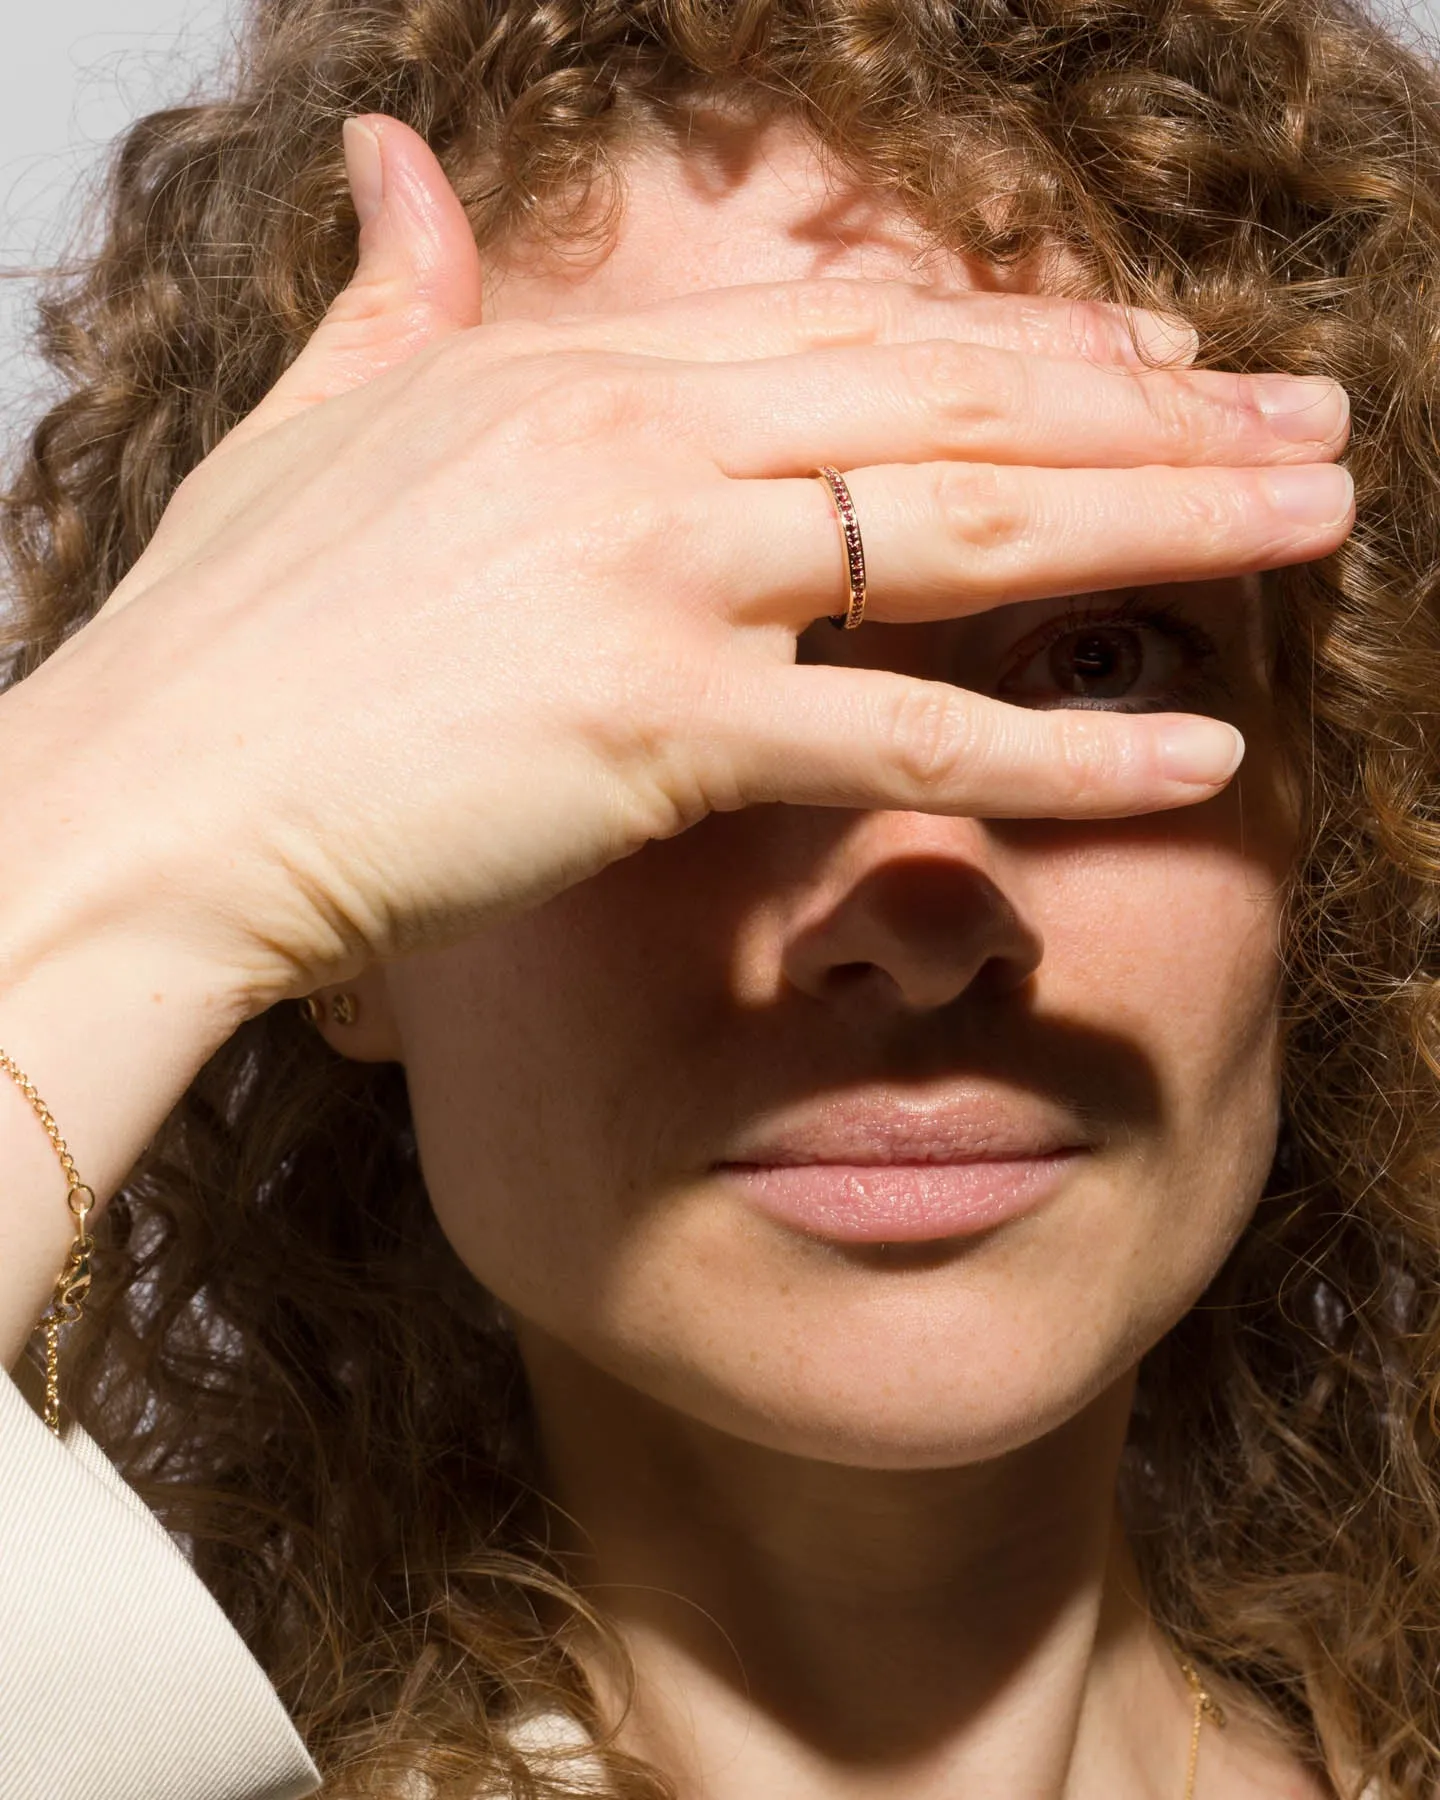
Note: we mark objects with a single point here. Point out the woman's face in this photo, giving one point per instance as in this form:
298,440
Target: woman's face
879,1138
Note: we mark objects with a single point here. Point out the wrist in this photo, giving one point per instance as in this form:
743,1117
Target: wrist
113,836
112,997
110,1031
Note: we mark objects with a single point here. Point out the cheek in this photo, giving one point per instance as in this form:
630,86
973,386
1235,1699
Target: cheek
550,1064
1168,931
1170,939
1171,942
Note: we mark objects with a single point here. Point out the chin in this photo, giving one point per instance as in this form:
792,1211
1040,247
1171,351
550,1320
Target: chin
906,1377
932,1355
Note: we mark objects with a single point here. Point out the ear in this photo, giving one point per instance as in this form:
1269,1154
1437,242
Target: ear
356,1020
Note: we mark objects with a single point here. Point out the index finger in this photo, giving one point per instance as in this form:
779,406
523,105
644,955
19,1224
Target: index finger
783,318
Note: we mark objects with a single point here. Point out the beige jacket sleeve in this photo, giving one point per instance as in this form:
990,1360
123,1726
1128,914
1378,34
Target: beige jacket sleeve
120,1677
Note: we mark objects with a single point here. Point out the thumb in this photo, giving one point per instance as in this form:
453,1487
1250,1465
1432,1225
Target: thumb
417,278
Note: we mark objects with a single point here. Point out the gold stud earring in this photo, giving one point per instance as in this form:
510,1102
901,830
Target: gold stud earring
344,1010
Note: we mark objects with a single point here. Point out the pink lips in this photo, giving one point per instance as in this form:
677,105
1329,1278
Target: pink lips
877,1171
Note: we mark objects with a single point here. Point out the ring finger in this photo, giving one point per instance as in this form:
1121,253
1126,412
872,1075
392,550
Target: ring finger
945,539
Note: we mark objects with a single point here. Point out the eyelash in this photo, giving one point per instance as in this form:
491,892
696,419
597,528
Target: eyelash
1199,648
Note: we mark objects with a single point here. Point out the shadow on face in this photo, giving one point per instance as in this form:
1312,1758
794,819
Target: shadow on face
612,1093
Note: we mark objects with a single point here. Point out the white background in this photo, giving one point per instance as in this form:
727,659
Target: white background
71,73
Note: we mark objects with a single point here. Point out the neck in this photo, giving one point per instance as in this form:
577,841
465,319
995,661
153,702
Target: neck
805,1629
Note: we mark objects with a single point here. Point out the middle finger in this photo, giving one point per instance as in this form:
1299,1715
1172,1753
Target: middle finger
939,400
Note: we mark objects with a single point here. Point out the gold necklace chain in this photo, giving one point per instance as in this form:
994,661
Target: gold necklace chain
1205,1708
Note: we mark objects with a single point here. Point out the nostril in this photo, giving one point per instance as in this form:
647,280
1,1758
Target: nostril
913,933
1002,975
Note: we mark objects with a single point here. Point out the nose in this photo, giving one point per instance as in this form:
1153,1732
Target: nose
909,914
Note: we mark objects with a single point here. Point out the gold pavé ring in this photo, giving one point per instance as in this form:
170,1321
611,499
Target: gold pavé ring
854,549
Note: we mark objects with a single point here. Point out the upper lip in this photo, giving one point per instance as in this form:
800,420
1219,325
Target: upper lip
886,1130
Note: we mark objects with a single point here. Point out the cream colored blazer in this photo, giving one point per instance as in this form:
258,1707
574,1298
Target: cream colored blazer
120,1677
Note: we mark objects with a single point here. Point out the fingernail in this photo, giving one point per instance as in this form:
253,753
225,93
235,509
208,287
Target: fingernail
365,168
1312,494
1300,409
1200,752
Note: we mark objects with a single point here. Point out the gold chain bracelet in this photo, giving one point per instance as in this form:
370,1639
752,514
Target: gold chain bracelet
73,1284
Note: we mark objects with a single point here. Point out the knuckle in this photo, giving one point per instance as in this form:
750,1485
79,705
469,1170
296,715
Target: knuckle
930,734
626,537
650,528
979,508
966,386
1180,415
1098,330
1170,407
1208,509
832,312
662,729
579,398
1090,759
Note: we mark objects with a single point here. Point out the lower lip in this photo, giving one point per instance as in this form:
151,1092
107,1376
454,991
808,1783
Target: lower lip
899,1203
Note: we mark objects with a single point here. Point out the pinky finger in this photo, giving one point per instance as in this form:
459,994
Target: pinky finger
816,735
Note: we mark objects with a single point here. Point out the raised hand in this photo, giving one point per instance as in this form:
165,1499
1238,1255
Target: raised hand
465,612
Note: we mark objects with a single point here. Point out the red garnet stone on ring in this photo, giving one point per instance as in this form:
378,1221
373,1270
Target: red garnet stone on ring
854,548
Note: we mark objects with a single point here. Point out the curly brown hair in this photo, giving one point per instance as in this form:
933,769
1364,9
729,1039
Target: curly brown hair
284,1355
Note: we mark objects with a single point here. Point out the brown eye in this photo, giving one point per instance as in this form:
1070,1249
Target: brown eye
1102,662
1143,659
